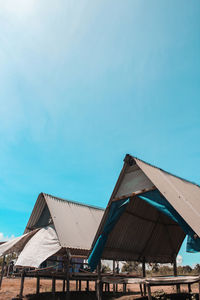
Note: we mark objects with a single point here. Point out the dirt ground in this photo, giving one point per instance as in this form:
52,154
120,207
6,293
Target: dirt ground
10,288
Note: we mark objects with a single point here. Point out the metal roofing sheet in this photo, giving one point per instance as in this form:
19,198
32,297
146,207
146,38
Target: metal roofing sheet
129,236
36,213
76,224
183,195
142,231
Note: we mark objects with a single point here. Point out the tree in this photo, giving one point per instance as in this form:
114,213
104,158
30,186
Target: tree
105,269
197,268
130,266
155,267
187,269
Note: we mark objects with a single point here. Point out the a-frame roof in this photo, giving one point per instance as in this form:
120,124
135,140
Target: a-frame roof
142,231
75,223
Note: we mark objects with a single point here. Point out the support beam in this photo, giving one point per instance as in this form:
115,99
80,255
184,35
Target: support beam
63,285
38,285
141,291
117,271
79,288
66,269
96,286
149,292
87,286
2,270
114,286
199,289
22,284
178,290
144,274
67,275
53,285
99,283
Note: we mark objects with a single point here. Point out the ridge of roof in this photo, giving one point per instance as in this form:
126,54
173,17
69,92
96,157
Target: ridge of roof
73,202
189,181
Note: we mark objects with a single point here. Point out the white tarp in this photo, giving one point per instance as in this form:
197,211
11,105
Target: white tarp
42,245
16,244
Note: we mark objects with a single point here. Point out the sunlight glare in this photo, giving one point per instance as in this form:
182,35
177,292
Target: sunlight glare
19,8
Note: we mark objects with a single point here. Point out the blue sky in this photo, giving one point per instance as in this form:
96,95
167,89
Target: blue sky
85,82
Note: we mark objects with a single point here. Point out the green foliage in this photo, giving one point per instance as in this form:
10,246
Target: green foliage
197,268
131,267
184,270
105,269
155,267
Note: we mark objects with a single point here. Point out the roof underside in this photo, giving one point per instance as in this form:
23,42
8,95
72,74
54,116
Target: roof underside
75,223
142,231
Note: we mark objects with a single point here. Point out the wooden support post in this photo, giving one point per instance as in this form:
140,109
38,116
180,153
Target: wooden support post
149,292
175,274
22,284
99,283
87,286
79,286
66,270
76,285
105,287
38,285
141,291
63,285
114,286
67,276
117,271
199,289
108,287
2,270
189,288
175,267
124,287
144,275
53,285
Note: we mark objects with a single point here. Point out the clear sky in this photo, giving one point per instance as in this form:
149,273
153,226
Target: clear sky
82,83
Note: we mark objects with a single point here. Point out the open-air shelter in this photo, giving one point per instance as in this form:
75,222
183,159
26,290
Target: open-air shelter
60,231
148,216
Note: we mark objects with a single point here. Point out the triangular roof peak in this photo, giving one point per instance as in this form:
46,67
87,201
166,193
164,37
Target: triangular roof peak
131,159
136,178
74,222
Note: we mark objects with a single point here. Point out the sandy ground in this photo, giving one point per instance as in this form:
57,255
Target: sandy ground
10,288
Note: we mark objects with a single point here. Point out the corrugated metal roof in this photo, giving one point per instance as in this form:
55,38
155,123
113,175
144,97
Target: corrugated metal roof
144,232
183,195
75,223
